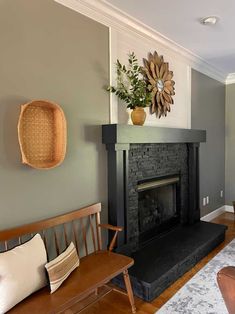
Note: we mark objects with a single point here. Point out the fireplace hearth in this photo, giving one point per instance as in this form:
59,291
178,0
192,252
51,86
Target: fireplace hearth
153,192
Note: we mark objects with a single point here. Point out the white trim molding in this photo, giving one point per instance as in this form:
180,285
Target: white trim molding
214,214
107,14
217,212
229,209
230,79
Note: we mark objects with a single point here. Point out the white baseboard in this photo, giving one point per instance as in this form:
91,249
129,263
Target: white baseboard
217,212
229,208
214,214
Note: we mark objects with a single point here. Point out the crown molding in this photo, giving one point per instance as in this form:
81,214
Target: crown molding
230,79
110,16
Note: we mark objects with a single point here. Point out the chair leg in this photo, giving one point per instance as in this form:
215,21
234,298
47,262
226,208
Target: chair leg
129,290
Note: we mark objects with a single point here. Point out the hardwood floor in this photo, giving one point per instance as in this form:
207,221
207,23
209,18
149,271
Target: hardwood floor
117,303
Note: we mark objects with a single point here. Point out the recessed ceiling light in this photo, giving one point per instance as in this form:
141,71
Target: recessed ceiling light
209,20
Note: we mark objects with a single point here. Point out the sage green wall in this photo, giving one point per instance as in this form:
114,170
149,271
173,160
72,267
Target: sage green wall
51,52
208,113
230,145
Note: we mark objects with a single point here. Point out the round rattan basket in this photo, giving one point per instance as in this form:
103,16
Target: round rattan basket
42,134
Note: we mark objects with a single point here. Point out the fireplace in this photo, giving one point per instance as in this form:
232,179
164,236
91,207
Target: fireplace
153,192
158,206
157,173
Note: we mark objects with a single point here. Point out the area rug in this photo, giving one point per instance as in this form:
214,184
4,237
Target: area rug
201,294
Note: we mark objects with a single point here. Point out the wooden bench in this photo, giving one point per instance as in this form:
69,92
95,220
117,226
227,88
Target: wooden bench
97,267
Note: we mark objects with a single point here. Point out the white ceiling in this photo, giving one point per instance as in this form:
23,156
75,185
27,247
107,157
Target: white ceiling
179,21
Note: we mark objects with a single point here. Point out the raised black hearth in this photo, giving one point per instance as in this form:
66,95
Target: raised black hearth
165,259
153,188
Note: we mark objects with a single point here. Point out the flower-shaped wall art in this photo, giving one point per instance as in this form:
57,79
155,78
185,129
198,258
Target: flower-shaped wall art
160,83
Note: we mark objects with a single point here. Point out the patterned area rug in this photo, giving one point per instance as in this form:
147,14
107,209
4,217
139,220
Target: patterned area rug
201,294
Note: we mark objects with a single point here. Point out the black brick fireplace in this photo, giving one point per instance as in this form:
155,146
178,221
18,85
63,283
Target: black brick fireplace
153,192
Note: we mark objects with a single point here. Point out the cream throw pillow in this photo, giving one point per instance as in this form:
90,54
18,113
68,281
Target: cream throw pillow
22,272
61,267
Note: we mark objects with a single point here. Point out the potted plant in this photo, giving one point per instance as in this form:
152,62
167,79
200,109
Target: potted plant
132,88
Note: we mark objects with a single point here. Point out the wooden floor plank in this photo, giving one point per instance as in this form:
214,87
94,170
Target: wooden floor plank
117,303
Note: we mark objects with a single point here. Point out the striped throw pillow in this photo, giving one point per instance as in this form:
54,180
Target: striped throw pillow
62,266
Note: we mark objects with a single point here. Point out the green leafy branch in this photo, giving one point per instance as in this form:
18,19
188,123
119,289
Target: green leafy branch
131,85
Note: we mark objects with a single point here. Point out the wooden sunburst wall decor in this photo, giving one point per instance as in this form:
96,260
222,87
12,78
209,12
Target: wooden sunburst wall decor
160,83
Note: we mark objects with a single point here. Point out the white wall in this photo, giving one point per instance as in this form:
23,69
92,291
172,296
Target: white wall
121,43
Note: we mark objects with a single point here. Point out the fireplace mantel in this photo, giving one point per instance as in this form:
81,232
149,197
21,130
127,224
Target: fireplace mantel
126,134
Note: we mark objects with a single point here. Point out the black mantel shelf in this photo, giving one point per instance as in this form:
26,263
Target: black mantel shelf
124,134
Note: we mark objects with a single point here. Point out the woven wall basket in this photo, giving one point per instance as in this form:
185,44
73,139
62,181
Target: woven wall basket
42,134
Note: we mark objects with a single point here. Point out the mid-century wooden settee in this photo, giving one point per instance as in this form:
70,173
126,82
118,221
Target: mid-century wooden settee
95,270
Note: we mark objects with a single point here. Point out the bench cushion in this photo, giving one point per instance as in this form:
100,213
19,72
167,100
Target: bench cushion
95,270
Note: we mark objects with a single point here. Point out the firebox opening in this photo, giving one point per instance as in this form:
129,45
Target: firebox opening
158,206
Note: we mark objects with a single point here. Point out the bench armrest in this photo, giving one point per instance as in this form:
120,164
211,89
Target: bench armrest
113,228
